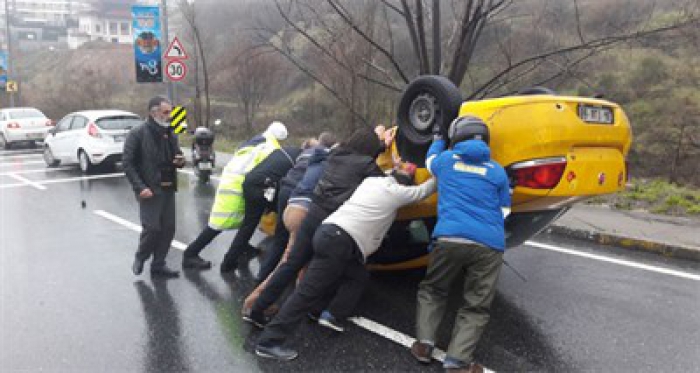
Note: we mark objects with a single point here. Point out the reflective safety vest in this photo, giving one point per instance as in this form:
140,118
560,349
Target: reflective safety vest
229,205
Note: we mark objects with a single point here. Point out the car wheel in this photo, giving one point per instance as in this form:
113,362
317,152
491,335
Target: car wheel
3,142
428,102
84,162
50,160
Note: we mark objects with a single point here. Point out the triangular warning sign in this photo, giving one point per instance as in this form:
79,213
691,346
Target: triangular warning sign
176,50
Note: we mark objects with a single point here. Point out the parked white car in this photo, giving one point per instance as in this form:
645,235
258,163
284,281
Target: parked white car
22,124
89,138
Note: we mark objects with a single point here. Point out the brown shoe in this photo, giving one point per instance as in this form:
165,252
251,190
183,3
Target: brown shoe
472,368
422,352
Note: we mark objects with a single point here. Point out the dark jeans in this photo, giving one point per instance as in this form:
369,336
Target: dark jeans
300,255
204,239
158,221
336,260
255,205
279,243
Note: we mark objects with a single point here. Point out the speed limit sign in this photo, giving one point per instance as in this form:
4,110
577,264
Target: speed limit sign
176,70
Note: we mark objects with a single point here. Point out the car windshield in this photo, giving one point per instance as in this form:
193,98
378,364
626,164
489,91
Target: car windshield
26,114
118,122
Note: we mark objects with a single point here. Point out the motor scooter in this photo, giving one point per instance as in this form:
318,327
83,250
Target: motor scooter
203,155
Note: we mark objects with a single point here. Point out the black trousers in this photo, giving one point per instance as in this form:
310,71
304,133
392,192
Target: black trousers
279,243
158,221
336,260
255,205
204,239
300,255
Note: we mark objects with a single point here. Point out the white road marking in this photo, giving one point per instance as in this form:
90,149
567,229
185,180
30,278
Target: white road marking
621,262
27,181
396,336
134,227
37,171
17,163
23,156
68,180
362,322
190,172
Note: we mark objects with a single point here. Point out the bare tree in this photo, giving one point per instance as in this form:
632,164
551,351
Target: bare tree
189,13
250,75
471,26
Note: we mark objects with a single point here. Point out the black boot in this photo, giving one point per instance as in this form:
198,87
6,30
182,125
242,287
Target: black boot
164,272
195,262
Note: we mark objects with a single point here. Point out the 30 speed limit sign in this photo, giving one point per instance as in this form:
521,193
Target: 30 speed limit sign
176,70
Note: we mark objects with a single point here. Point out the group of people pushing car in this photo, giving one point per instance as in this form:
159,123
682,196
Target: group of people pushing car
334,206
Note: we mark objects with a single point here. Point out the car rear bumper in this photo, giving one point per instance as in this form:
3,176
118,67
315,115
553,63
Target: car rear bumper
106,153
29,134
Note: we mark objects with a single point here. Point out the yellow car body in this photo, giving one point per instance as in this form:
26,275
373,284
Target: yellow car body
553,156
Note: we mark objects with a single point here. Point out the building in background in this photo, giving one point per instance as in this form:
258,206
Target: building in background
39,24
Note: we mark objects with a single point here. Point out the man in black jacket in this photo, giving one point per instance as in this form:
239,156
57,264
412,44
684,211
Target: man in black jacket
259,189
151,158
347,166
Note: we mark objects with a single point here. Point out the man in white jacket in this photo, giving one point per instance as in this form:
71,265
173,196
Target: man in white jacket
341,245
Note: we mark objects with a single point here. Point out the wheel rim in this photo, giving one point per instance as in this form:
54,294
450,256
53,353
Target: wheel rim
423,112
48,157
83,161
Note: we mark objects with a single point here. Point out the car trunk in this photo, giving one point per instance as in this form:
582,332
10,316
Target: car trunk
528,129
115,128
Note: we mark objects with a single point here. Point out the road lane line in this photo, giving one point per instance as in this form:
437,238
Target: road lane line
190,172
23,156
37,171
134,227
622,262
68,180
362,322
15,163
396,336
27,181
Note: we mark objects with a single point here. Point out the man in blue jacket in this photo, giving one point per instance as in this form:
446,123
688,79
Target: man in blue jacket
469,241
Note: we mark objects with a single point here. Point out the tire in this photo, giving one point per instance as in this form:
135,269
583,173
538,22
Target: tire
84,163
50,160
3,142
428,102
204,176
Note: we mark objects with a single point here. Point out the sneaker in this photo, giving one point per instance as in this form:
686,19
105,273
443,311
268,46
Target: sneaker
327,320
423,352
256,318
195,262
278,352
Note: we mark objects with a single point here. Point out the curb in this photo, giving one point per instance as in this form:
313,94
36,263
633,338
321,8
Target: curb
664,249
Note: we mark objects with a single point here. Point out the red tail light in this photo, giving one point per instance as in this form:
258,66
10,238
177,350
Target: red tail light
13,125
50,123
93,131
539,174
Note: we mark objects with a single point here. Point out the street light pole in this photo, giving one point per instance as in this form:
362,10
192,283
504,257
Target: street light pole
9,50
171,87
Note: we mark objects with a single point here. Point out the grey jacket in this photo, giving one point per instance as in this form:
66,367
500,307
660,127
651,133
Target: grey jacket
147,147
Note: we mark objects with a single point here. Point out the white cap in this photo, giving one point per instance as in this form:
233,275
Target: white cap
278,130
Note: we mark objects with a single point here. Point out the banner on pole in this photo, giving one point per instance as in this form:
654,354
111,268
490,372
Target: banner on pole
3,69
147,44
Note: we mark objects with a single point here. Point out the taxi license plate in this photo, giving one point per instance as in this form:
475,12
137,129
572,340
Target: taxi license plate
206,166
596,114
119,138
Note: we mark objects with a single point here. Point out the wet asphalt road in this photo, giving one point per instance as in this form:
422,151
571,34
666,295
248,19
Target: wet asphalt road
69,302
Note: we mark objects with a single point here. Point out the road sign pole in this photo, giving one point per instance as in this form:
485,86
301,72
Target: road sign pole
9,50
171,88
